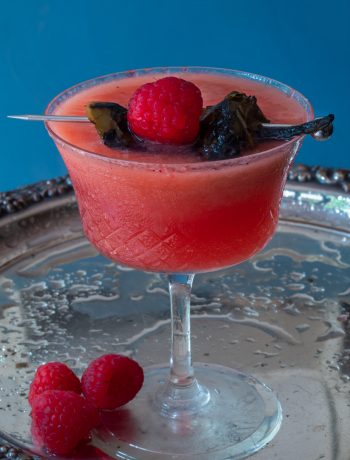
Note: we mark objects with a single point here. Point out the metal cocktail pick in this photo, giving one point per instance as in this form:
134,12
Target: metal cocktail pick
50,118
320,128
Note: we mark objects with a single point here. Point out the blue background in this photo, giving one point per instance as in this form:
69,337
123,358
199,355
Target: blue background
48,45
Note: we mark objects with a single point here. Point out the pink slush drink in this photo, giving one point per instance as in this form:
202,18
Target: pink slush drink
166,209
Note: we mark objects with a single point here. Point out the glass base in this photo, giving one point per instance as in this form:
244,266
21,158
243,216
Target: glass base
240,417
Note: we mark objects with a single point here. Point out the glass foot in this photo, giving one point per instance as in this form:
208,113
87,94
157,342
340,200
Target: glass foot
240,416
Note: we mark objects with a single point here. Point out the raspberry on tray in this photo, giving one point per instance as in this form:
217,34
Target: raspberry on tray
53,376
61,420
112,381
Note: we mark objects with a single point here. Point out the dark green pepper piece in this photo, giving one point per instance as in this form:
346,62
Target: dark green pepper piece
229,126
110,120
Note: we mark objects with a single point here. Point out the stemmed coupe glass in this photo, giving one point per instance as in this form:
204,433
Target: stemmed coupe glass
178,220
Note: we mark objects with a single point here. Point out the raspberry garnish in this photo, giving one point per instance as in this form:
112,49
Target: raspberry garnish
53,376
166,111
61,420
111,381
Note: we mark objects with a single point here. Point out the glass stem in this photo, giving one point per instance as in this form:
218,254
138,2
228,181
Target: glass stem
181,393
181,370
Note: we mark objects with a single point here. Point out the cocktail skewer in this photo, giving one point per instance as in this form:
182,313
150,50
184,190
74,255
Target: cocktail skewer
50,118
320,128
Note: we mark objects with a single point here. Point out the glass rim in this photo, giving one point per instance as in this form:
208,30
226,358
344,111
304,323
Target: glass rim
213,164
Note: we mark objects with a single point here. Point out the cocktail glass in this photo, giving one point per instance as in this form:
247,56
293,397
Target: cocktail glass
180,219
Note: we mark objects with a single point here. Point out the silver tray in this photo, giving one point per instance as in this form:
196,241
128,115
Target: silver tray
282,316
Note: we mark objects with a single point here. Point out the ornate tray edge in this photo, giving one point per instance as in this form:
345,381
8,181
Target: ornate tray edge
18,200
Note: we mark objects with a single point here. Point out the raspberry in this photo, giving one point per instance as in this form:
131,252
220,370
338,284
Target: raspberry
166,111
62,419
53,376
111,381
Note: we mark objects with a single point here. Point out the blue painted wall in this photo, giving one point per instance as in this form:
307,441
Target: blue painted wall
48,45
